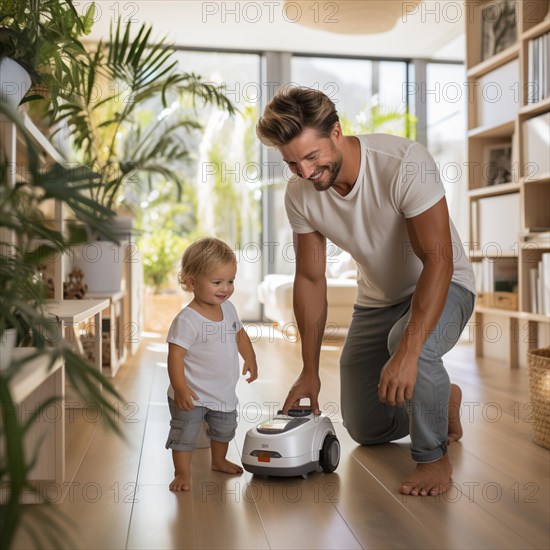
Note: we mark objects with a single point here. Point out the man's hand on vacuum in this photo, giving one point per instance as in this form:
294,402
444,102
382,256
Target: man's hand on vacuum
307,386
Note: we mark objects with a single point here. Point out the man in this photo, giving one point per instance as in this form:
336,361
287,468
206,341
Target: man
380,198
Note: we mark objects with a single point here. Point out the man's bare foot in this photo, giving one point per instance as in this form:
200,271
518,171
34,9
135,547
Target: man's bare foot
226,467
180,483
432,478
455,426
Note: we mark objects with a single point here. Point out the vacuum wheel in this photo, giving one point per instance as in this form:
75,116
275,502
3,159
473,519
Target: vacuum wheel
329,457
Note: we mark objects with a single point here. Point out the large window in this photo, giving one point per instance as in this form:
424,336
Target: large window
222,192
348,82
445,100
365,92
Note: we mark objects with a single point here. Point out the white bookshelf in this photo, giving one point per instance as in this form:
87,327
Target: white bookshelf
509,207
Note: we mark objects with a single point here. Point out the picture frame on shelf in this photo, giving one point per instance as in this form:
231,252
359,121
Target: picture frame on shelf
498,27
497,163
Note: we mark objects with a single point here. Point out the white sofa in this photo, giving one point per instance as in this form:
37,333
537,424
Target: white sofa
275,293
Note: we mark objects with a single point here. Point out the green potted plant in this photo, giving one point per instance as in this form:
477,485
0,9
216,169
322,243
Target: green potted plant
135,134
39,40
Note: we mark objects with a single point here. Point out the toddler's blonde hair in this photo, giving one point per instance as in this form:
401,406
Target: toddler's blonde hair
201,257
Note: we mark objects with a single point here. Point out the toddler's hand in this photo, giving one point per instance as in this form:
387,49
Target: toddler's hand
252,368
184,398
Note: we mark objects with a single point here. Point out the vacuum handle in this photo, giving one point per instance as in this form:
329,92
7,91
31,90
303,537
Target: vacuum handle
297,413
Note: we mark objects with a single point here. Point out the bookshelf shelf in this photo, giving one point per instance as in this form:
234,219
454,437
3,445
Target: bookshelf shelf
539,180
534,245
534,109
537,30
482,255
514,214
494,190
525,316
494,62
504,129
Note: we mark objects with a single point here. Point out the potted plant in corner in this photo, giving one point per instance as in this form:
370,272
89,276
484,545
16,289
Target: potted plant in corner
15,80
39,40
134,134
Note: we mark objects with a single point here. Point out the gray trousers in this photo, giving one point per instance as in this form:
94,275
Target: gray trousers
373,337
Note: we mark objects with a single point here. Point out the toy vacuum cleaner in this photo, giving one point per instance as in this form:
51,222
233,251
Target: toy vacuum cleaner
292,445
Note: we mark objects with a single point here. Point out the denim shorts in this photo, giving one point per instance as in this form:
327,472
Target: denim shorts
186,425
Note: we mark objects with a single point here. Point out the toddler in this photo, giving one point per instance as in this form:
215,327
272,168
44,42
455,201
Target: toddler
204,341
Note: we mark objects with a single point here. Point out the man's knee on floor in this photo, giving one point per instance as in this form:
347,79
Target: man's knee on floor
366,434
360,436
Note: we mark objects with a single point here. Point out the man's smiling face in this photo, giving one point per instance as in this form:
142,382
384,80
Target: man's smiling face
314,158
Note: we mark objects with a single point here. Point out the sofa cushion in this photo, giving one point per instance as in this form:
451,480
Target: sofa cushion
277,289
341,266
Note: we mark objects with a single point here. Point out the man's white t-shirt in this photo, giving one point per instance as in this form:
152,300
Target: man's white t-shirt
212,357
398,179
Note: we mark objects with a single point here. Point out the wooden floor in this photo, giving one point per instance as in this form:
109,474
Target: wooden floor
119,495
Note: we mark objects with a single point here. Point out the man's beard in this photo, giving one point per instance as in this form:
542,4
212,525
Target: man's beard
333,171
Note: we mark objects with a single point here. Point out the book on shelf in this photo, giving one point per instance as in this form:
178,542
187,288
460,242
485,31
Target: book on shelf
541,298
539,286
505,275
538,74
474,222
496,275
497,283
533,288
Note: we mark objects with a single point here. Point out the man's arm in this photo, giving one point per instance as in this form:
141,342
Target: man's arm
430,237
310,309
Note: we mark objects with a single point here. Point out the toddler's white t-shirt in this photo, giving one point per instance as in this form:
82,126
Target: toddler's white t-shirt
212,357
398,179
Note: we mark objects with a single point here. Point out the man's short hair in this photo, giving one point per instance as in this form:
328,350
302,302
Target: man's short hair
293,109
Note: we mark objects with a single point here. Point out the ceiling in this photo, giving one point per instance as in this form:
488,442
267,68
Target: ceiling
432,30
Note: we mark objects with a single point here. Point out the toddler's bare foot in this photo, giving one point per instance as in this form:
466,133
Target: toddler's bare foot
227,467
180,483
431,478
455,426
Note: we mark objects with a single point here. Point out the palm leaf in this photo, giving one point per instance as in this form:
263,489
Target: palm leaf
14,457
